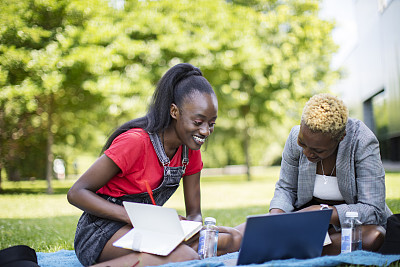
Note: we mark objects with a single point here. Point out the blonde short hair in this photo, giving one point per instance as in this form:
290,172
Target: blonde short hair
327,114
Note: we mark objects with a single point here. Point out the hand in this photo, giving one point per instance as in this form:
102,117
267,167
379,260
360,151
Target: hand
127,219
276,211
334,218
181,218
311,208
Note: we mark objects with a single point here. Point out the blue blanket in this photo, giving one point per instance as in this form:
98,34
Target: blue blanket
68,258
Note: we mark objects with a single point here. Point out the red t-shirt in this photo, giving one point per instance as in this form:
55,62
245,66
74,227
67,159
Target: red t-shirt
134,154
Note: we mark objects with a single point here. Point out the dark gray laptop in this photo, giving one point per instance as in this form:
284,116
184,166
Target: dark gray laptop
297,235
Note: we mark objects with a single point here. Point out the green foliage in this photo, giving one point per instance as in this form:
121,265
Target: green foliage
281,58
36,89
75,70
54,82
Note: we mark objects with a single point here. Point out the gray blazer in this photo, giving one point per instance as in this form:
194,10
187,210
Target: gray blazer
361,176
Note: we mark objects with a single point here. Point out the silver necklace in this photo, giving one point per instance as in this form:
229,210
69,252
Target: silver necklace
323,173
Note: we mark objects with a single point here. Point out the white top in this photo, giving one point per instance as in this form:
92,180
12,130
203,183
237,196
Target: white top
352,214
326,187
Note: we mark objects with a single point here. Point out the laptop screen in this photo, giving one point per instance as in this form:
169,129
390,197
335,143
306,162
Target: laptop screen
282,236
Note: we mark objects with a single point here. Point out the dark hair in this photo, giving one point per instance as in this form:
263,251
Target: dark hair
177,83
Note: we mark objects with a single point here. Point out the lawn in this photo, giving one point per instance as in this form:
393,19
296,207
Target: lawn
47,222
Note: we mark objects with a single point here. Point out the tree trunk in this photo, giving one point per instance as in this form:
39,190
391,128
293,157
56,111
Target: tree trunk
1,188
49,146
2,145
246,145
245,109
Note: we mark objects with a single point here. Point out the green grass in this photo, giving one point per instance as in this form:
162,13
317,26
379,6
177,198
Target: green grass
47,222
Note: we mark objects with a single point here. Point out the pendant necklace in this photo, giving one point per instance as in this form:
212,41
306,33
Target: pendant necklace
323,173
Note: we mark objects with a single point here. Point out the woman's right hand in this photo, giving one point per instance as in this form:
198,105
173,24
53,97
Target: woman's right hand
276,211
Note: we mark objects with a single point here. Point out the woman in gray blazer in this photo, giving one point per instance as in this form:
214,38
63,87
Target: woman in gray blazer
332,161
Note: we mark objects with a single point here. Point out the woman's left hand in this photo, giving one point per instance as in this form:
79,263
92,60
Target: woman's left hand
334,217
311,208
182,218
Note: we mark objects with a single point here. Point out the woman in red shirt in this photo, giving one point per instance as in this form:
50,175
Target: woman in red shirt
155,152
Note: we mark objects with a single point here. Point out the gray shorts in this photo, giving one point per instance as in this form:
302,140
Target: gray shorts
92,234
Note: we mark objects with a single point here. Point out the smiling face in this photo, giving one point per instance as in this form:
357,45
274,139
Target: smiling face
195,119
316,146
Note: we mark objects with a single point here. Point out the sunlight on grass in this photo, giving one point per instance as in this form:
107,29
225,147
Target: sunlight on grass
36,206
223,192
33,203
233,191
47,222
226,195
393,185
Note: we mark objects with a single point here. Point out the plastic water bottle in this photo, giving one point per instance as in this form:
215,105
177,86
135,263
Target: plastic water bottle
351,233
208,240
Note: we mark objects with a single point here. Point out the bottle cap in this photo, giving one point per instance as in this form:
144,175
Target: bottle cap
210,220
352,214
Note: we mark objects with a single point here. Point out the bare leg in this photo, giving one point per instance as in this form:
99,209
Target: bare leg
241,228
113,256
109,251
181,253
372,239
334,248
229,240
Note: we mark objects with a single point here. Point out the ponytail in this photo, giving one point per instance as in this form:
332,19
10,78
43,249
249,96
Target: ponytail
178,82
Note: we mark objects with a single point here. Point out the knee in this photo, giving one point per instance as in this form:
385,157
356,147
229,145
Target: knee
241,228
229,241
191,254
373,237
236,240
185,253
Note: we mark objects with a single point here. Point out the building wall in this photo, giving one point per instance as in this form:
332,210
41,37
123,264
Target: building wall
391,58
371,87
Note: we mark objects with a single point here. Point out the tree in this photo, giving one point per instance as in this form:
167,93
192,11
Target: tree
71,71
280,61
264,59
47,70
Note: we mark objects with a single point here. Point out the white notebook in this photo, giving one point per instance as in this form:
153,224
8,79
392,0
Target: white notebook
327,240
157,230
